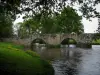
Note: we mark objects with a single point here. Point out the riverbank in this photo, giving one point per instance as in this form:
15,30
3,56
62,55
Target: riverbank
15,61
96,42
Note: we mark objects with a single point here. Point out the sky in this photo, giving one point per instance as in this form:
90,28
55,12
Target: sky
89,26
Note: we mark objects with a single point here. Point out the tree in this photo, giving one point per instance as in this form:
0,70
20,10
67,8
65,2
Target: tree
47,25
67,21
5,26
87,7
10,7
8,11
28,27
70,21
98,29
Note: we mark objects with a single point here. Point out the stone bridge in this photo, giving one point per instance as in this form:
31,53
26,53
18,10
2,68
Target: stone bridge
55,39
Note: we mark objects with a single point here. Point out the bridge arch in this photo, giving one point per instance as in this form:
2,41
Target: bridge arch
68,41
38,41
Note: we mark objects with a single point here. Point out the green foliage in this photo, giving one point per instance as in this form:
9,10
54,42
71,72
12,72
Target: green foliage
14,61
87,8
8,11
66,22
69,21
47,25
96,36
10,7
28,27
72,41
5,26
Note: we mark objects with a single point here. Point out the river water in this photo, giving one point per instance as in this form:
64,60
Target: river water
73,61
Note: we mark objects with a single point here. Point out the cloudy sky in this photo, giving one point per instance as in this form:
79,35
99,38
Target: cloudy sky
89,26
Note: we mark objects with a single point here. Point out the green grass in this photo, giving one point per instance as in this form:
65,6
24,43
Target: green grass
12,45
15,61
72,41
96,42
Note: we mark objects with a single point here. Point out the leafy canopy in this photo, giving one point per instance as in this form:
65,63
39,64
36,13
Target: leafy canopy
68,21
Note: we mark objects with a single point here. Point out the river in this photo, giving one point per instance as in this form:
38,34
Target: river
73,61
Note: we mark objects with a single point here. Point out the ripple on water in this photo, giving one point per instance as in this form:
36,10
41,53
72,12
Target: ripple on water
74,61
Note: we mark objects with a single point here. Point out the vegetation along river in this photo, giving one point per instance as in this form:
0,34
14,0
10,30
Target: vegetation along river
73,61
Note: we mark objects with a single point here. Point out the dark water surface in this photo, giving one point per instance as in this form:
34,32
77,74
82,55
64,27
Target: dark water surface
73,61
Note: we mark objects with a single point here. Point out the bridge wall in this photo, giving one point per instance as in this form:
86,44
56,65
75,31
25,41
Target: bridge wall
53,39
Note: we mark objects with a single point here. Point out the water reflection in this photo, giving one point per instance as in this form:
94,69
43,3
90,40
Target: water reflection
64,60
73,61
71,46
49,54
68,64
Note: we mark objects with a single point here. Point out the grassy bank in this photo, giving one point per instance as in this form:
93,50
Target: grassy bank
96,42
15,61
